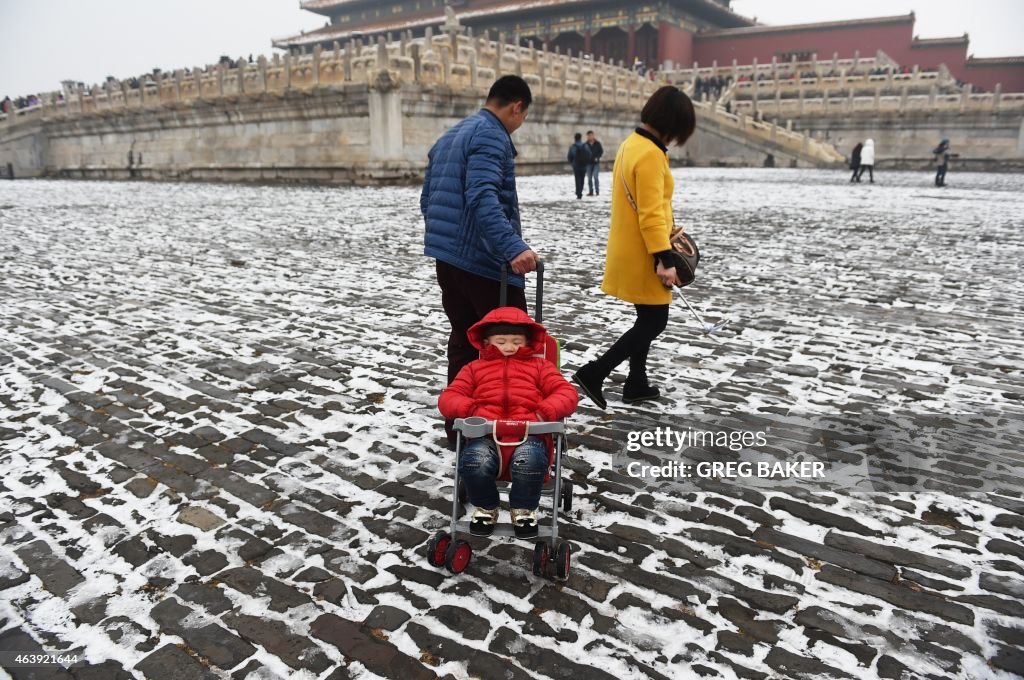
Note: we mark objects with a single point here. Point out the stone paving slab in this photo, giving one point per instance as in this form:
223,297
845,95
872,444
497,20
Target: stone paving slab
223,459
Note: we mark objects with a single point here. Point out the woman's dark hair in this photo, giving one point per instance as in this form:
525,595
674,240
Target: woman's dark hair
670,112
509,89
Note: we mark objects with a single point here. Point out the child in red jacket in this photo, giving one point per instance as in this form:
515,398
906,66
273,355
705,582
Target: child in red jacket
508,382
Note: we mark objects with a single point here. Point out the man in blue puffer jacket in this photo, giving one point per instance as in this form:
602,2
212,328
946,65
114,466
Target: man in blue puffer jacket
471,210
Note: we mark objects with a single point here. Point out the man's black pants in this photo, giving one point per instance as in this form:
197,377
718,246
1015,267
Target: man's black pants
466,299
581,176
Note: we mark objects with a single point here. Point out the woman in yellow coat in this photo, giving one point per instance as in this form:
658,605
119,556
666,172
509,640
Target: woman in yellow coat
638,264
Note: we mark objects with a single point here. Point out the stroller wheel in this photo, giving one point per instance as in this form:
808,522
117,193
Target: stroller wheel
540,558
566,495
457,557
462,493
437,546
562,558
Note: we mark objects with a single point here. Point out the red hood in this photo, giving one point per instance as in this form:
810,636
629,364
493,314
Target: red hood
509,315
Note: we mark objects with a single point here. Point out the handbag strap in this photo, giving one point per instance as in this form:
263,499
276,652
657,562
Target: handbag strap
629,196
622,175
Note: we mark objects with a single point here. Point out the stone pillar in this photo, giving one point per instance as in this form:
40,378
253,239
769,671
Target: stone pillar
997,95
347,64
932,91
124,93
446,67
142,91
316,65
903,99
177,85
386,129
472,68
220,79
383,61
241,75
197,77
878,99
417,62
288,71
800,101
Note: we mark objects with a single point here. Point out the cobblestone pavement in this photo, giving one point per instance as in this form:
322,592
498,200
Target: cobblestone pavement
222,457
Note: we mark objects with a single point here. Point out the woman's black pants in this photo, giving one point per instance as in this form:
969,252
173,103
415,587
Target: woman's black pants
634,345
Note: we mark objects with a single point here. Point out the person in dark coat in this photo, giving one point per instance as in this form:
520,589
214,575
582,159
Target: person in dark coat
594,169
471,210
579,158
855,161
942,155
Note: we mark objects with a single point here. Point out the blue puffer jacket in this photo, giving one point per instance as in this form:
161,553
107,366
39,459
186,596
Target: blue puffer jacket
469,199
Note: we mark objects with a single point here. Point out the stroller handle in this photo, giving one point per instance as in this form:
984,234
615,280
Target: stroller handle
538,309
476,426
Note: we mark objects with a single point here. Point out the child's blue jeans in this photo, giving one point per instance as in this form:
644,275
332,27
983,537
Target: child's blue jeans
478,470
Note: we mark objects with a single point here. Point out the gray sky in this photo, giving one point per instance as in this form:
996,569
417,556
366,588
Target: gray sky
45,41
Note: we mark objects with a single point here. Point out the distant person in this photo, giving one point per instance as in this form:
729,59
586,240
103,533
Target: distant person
867,161
640,265
942,155
855,161
594,169
579,158
471,210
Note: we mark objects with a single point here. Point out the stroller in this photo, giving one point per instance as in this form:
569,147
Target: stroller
445,548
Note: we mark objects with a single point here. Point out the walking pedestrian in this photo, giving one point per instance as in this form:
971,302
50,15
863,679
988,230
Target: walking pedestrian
639,264
867,161
594,169
855,160
471,210
579,158
942,155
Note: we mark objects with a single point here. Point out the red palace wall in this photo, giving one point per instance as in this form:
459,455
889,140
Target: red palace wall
1011,76
676,44
894,37
929,58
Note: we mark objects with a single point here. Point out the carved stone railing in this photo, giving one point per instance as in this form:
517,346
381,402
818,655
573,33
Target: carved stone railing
460,62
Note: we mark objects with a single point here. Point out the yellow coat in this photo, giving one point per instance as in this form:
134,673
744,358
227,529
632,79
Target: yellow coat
635,235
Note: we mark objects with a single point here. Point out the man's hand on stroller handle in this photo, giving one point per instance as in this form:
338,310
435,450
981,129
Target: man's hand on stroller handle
524,262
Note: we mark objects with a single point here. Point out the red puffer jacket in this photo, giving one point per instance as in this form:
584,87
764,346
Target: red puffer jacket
519,387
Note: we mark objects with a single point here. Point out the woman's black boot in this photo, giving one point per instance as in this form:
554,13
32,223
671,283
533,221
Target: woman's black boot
589,382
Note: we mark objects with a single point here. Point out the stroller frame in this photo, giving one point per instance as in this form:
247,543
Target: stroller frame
445,548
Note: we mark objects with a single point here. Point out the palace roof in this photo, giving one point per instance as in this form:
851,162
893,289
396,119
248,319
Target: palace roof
341,33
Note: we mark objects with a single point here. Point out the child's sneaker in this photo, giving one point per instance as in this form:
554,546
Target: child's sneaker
524,522
483,521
